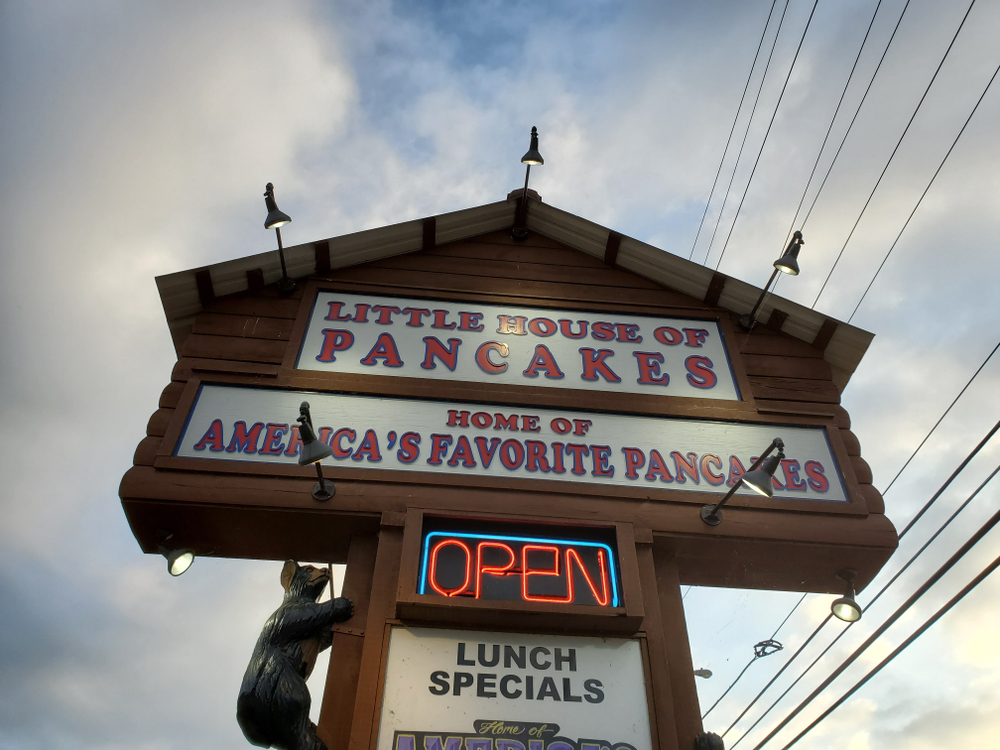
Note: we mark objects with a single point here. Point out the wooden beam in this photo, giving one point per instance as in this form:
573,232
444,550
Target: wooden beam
715,287
322,250
826,332
777,319
430,233
611,249
255,279
206,293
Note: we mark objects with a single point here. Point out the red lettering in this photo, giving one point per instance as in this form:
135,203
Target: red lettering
295,442
243,441
560,425
581,426
542,326
667,335
433,348
573,556
736,470
536,459
707,461
566,328
432,567
816,476
602,331
635,459
272,436
334,340
339,451
557,459
505,423
470,321
543,361
493,570
481,419
528,571
658,468
512,454
440,316
578,452
791,469
384,349
649,369
700,373
529,424
211,439
368,448
483,357
462,454
334,313
602,455
594,364
687,466
409,447
628,332
417,315
439,446
458,418
361,312
486,453
695,336
385,313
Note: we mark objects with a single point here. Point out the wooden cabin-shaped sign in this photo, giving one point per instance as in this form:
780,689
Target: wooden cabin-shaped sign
523,437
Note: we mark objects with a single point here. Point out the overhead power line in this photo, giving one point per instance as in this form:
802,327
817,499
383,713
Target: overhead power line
902,647
881,591
768,132
743,143
894,151
733,129
758,653
829,130
900,611
921,198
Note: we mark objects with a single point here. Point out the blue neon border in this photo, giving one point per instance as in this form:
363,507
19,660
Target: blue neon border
422,589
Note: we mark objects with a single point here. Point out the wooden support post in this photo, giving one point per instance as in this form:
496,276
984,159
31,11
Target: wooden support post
687,713
348,641
381,608
664,724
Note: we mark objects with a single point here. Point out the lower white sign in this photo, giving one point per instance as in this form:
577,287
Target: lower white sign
463,690
237,423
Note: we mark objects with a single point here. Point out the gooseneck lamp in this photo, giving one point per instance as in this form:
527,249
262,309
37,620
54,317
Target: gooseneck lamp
178,560
846,608
314,450
276,219
531,158
787,263
758,479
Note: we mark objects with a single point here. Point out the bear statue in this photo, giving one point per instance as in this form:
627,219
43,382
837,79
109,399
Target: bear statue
273,705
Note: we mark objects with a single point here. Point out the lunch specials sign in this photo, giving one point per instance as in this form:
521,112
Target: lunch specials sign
236,423
458,690
392,336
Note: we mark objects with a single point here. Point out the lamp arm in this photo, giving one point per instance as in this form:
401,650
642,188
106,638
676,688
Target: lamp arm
763,296
776,443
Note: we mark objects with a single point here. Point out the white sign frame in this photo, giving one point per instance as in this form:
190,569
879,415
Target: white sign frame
603,678
256,425
368,334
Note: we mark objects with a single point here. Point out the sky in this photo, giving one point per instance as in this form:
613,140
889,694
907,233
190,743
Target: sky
136,138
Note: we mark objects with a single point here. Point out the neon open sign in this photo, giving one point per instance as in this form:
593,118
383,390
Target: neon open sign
509,567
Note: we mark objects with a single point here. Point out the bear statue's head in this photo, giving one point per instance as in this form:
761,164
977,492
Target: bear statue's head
303,580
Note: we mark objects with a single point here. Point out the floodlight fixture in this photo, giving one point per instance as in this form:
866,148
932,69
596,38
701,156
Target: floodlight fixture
275,220
787,263
314,451
757,479
846,607
178,560
532,157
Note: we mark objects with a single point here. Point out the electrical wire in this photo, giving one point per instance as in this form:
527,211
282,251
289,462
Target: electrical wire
743,143
902,647
774,114
894,151
829,130
881,591
941,418
756,656
900,611
857,111
733,129
919,200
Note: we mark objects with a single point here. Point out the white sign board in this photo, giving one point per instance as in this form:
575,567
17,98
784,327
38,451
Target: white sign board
607,352
460,690
236,423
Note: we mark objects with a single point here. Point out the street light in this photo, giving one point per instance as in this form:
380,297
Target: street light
275,220
314,451
846,608
532,157
787,263
758,479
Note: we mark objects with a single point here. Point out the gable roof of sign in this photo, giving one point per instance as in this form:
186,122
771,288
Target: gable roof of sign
184,293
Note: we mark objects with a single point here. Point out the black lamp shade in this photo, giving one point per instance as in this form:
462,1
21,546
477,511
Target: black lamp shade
533,158
789,262
846,609
759,480
313,450
275,217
